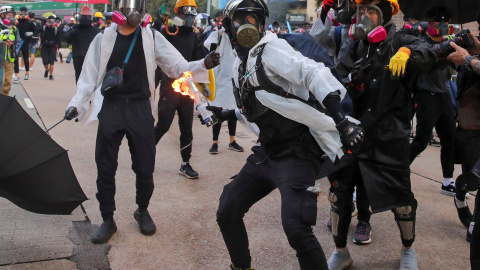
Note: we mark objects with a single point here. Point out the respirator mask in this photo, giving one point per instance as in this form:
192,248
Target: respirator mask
188,18
134,10
246,25
414,27
10,21
368,24
51,23
23,15
442,29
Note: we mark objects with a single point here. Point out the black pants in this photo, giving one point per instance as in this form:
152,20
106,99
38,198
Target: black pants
25,50
342,185
119,118
77,65
48,54
258,177
232,128
169,103
435,110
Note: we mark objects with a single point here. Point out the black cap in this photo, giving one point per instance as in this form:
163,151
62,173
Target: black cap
219,14
51,17
31,14
23,9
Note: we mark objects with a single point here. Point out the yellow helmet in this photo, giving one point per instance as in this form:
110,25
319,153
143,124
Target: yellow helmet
98,14
394,3
183,3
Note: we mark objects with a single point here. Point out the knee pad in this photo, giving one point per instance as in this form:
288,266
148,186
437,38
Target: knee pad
405,218
337,206
467,182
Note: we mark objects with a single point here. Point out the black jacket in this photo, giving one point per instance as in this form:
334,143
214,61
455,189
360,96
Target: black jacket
385,110
80,36
24,26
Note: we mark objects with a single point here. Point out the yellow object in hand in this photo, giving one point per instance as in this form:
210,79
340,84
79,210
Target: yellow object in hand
398,62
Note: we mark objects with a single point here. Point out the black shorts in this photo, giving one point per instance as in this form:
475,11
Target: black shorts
48,55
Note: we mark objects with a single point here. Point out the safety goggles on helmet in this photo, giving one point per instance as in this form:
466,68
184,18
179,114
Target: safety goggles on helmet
243,18
187,10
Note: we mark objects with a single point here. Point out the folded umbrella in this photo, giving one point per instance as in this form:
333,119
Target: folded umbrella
35,172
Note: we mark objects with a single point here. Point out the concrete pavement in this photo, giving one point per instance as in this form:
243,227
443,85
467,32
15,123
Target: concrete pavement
184,210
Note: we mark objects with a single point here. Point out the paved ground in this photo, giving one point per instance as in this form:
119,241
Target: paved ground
184,210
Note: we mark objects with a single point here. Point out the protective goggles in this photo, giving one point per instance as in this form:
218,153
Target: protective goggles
187,10
243,18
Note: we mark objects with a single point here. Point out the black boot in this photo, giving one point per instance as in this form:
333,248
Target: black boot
105,232
145,222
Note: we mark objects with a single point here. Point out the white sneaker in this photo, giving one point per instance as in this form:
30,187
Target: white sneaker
339,260
22,68
16,80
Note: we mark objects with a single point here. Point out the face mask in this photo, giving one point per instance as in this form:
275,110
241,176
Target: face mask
133,18
414,27
246,27
23,15
367,29
10,21
442,29
345,15
186,21
51,23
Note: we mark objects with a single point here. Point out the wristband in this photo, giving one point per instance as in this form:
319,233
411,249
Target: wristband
468,62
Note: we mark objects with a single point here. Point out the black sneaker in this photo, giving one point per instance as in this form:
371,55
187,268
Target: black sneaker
363,233
214,149
235,147
105,232
187,171
145,222
51,77
434,142
449,190
464,214
45,75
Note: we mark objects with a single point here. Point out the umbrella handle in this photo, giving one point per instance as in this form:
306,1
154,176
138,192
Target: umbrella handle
57,124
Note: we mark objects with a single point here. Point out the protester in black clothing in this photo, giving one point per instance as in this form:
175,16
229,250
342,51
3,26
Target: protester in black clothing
383,106
33,41
26,29
49,38
434,106
468,141
126,110
80,36
188,44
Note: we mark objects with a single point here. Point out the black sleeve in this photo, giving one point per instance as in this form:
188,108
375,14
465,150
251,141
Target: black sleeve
423,57
346,60
70,35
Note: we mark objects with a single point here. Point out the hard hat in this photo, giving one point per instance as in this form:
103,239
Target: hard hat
183,3
87,11
5,9
98,14
394,3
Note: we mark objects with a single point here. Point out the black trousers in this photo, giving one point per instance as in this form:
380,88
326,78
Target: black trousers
435,110
25,50
119,118
77,65
232,128
48,55
258,177
169,103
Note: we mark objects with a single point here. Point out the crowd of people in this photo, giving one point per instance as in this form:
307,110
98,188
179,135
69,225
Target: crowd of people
344,111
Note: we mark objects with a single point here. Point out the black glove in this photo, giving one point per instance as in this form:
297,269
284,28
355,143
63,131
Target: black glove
212,60
352,135
220,113
359,72
71,113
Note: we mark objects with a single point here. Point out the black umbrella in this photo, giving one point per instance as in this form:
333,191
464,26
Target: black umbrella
35,172
463,11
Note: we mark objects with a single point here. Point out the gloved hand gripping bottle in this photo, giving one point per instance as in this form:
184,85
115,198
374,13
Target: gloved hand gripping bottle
201,103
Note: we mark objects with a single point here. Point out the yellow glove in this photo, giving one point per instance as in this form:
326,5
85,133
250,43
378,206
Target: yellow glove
398,62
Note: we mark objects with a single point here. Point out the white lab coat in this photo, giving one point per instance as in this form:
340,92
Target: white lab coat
297,75
94,67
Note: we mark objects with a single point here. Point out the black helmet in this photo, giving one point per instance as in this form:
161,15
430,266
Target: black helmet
257,6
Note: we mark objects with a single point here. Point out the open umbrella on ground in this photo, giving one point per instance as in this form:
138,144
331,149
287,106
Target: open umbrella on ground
463,11
35,172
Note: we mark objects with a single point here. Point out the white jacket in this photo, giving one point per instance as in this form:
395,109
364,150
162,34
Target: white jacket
297,75
94,67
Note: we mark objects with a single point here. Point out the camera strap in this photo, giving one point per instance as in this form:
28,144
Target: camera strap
131,48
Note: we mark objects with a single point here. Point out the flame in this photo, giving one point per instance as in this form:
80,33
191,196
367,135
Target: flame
181,87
